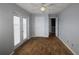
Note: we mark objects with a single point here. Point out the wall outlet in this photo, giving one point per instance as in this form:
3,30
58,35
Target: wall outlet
67,41
72,45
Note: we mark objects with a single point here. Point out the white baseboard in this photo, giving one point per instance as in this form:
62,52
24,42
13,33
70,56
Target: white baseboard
67,46
40,36
12,53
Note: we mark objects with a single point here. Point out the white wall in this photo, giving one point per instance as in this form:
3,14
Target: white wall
40,27
69,27
7,11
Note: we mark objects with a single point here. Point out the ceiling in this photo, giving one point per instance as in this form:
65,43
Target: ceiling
52,8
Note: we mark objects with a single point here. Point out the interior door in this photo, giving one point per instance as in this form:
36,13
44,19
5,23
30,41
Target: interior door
16,23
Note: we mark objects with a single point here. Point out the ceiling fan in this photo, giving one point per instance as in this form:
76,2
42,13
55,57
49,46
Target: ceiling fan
45,6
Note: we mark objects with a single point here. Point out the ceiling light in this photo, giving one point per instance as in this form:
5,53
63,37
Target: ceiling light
43,8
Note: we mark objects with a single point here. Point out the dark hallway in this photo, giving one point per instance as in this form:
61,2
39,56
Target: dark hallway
52,26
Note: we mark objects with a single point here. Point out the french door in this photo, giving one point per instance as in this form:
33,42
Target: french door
25,28
16,30
21,30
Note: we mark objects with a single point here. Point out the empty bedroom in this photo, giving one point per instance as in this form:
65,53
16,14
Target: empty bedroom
39,28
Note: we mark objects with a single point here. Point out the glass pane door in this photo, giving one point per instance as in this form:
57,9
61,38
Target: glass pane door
16,30
24,28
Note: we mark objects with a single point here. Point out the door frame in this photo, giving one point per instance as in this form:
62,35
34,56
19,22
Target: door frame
56,27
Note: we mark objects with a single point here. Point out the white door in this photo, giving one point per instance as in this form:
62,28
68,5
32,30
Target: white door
16,30
39,26
25,28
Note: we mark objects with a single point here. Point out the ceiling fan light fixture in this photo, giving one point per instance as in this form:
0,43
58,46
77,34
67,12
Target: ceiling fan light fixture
43,8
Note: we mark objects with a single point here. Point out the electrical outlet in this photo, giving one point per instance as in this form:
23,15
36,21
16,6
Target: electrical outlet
67,41
72,45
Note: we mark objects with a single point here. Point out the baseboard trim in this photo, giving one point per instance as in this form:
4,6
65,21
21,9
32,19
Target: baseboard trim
67,46
12,53
39,36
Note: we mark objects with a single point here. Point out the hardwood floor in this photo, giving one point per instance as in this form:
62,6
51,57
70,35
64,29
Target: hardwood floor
43,46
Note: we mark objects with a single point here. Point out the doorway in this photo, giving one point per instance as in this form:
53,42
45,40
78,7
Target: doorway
52,26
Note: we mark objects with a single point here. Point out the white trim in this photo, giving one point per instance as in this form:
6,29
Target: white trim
12,53
67,46
56,27
39,36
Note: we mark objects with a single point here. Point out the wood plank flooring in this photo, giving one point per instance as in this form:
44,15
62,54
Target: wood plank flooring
43,46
